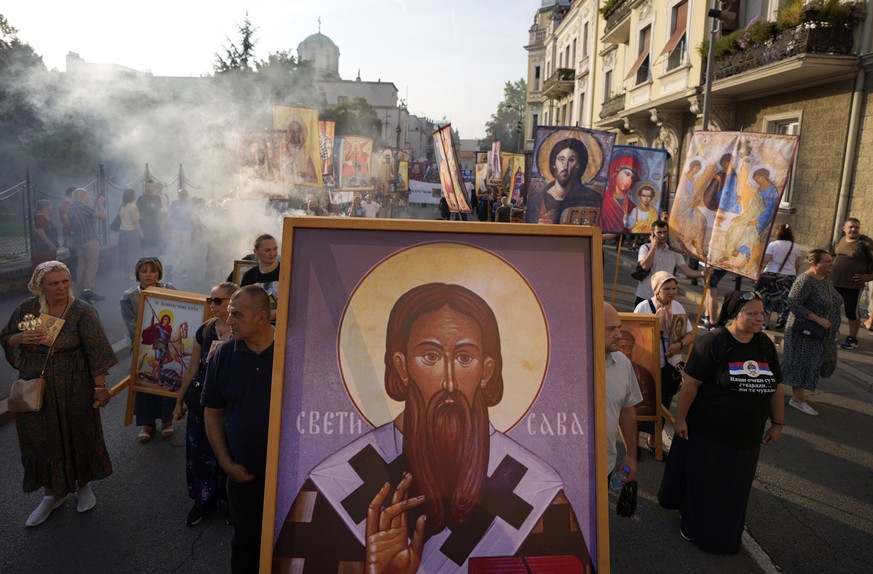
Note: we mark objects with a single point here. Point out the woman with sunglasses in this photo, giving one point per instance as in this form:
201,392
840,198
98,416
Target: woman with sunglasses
148,408
731,385
806,358
204,476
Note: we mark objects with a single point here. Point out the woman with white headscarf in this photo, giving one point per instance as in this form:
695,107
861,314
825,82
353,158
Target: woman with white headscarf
62,446
675,335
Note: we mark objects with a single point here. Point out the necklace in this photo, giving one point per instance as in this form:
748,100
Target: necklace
222,330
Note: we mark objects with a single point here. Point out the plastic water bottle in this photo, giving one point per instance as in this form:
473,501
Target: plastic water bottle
615,481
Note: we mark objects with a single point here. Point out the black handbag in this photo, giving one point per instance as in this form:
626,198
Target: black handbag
640,273
767,280
116,223
627,500
810,328
192,397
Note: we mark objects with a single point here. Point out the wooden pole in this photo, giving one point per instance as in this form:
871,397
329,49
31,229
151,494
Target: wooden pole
700,309
120,386
617,265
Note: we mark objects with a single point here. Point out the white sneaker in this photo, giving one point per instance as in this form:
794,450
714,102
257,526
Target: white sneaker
86,497
42,511
803,407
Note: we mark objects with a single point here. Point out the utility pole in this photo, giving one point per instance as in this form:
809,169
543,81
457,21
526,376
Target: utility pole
717,16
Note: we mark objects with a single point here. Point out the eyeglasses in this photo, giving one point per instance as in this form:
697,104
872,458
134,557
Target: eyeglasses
750,295
146,260
216,300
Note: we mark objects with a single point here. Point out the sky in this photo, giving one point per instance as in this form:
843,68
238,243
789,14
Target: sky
448,58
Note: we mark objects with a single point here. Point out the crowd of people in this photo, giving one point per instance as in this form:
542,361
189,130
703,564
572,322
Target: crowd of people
62,443
730,387
732,383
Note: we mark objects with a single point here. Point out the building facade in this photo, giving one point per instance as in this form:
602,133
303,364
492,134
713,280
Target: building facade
638,67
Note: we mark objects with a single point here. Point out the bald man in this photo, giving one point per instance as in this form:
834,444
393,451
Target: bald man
622,395
236,397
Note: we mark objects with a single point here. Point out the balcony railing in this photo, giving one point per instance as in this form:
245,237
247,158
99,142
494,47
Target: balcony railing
805,39
616,14
560,84
612,106
537,36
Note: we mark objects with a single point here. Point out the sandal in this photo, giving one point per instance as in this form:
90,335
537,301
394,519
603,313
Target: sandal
167,430
145,433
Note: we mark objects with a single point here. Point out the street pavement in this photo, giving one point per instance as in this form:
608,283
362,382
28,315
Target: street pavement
811,507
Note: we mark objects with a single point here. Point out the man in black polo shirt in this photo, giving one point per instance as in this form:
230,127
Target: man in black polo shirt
236,395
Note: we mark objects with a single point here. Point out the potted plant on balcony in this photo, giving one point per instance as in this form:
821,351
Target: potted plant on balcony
756,33
607,6
813,12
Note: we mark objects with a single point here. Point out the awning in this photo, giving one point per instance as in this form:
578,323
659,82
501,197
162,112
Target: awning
644,52
681,24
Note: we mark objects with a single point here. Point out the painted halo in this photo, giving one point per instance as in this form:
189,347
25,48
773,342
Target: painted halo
361,340
595,153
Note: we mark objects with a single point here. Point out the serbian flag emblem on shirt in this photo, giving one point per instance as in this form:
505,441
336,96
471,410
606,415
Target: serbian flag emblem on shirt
750,368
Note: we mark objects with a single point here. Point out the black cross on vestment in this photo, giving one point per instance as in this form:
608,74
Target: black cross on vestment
375,472
325,542
497,499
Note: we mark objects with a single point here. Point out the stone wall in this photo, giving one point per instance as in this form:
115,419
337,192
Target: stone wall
861,200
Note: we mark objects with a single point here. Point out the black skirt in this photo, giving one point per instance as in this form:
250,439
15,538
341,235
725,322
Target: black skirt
709,484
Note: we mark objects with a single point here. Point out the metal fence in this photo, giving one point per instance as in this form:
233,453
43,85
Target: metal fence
15,222
18,205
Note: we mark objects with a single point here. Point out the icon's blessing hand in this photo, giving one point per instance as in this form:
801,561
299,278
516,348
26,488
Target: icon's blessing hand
388,550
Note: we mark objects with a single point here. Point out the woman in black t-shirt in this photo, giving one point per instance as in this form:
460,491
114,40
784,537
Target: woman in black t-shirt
732,383
205,478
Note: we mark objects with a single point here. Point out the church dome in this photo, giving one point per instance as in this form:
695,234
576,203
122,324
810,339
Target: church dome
550,3
319,38
323,53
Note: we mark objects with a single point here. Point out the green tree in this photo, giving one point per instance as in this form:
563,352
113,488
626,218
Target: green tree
354,117
282,60
42,129
238,57
286,80
507,123
18,62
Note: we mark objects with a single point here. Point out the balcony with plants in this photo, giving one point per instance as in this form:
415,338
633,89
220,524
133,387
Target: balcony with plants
802,31
560,84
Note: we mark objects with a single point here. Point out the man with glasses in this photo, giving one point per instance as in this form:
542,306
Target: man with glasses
657,256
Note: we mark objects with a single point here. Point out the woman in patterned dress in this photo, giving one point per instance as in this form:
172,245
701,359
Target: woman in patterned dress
62,447
205,478
805,358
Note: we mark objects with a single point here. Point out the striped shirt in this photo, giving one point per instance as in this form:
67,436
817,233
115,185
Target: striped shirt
82,223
